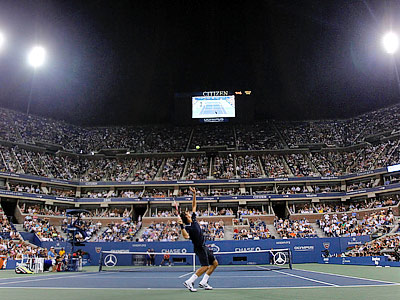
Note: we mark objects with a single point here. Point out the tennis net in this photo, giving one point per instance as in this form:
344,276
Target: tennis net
261,260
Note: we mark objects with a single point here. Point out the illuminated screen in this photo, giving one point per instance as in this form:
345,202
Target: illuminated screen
213,107
393,168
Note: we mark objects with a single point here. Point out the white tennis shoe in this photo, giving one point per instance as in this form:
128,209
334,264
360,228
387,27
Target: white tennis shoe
189,286
205,286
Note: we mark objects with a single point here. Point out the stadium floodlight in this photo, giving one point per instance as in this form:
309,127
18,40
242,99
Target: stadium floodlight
37,56
2,40
390,42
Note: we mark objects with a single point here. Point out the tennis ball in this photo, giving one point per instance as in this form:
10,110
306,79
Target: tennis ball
197,147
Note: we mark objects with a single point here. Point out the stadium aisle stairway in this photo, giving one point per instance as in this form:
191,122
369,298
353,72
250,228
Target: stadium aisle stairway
273,231
19,227
228,232
318,230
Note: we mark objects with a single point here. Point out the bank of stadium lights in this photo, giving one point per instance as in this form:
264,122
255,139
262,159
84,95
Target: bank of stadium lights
36,56
390,42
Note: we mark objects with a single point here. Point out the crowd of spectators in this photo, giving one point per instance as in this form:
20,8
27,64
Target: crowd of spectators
348,224
131,193
301,208
147,170
198,168
156,213
224,192
99,194
45,210
200,191
325,188
56,210
368,157
212,135
360,185
298,165
244,212
159,139
288,229
212,230
274,166
30,129
224,167
388,245
17,249
332,206
248,166
42,228
161,232
173,168
157,193
7,230
257,136
120,232
256,230
33,189
288,190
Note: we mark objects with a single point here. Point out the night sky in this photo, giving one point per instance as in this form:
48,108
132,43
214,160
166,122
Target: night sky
120,62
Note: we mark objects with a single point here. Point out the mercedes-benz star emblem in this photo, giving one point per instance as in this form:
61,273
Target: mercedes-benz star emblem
279,258
110,260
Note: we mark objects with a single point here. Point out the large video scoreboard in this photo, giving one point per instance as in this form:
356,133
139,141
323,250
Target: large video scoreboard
212,106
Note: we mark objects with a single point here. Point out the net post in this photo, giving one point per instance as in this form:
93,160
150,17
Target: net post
290,259
100,261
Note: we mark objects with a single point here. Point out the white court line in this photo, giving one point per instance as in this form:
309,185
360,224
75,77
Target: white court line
45,275
376,280
213,276
178,289
306,278
185,274
46,278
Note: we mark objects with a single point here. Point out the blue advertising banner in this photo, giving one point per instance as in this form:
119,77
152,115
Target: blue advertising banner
307,250
364,261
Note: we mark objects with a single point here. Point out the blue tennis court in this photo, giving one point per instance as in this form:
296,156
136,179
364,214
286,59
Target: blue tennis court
295,278
210,109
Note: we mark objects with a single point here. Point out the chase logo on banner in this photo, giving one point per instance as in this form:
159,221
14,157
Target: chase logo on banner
213,248
110,260
183,250
279,258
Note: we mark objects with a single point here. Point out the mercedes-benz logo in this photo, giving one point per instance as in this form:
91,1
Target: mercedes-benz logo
110,260
279,258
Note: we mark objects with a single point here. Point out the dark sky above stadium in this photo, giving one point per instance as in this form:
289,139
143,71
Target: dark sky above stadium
120,62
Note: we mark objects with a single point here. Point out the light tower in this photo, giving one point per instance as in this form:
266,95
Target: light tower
36,59
2,40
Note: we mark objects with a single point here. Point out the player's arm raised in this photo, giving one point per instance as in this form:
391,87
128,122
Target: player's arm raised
185,234
194,203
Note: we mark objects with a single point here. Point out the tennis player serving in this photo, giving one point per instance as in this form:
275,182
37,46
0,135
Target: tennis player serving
192,230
